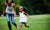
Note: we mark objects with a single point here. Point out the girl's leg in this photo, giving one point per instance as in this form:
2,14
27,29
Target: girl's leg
20,26
13,22
8,20
26,25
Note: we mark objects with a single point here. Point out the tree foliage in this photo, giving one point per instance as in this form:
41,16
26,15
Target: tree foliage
33,6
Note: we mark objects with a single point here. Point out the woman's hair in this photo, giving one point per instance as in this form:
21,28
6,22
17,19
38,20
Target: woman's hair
24,8
7,1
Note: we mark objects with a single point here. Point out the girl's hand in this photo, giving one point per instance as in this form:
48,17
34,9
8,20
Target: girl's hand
14,18
29,17
2,15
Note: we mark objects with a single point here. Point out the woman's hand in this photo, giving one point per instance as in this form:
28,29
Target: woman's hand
2,15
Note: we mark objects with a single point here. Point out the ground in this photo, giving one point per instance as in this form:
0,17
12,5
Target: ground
37,22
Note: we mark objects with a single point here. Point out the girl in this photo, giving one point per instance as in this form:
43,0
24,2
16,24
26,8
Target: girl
9,9
23,19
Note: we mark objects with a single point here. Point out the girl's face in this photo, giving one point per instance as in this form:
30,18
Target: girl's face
20,9
9,1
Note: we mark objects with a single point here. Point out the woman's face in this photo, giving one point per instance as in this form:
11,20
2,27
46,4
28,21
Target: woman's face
9,1
20,9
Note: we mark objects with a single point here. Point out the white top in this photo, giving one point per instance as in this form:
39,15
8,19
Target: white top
22,17
10,10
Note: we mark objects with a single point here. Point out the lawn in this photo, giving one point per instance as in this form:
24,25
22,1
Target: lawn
37,22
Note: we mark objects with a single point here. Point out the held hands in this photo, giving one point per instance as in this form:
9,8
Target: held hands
14,18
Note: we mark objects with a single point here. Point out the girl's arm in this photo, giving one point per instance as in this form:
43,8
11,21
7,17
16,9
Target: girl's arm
27,15
17,16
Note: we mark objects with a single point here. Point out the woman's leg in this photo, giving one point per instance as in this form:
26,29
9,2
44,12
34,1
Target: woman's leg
13,22
20,26
8,20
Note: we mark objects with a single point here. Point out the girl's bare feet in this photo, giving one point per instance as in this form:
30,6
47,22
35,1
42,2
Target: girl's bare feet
27,26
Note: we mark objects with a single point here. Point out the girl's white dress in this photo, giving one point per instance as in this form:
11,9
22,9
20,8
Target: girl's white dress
22,17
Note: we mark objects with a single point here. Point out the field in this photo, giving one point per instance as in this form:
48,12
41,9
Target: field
37,22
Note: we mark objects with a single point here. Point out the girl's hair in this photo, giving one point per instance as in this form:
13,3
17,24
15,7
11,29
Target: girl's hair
7,1
24,9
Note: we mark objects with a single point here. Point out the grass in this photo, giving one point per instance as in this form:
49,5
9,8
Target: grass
37,22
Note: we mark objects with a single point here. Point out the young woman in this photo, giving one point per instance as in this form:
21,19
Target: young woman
9,9
22,15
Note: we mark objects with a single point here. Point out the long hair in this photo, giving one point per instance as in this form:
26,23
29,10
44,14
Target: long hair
7,1
24,9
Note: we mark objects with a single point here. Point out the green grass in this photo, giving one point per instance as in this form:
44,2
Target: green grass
37,22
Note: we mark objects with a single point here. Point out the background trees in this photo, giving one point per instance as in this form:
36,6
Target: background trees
33,6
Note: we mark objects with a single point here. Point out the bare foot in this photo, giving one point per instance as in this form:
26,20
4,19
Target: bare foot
17,27
27,26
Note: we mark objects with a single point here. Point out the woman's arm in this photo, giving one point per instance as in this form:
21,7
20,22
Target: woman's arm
4,8
14,9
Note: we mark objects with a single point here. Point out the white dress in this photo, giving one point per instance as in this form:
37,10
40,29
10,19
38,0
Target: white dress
22,17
